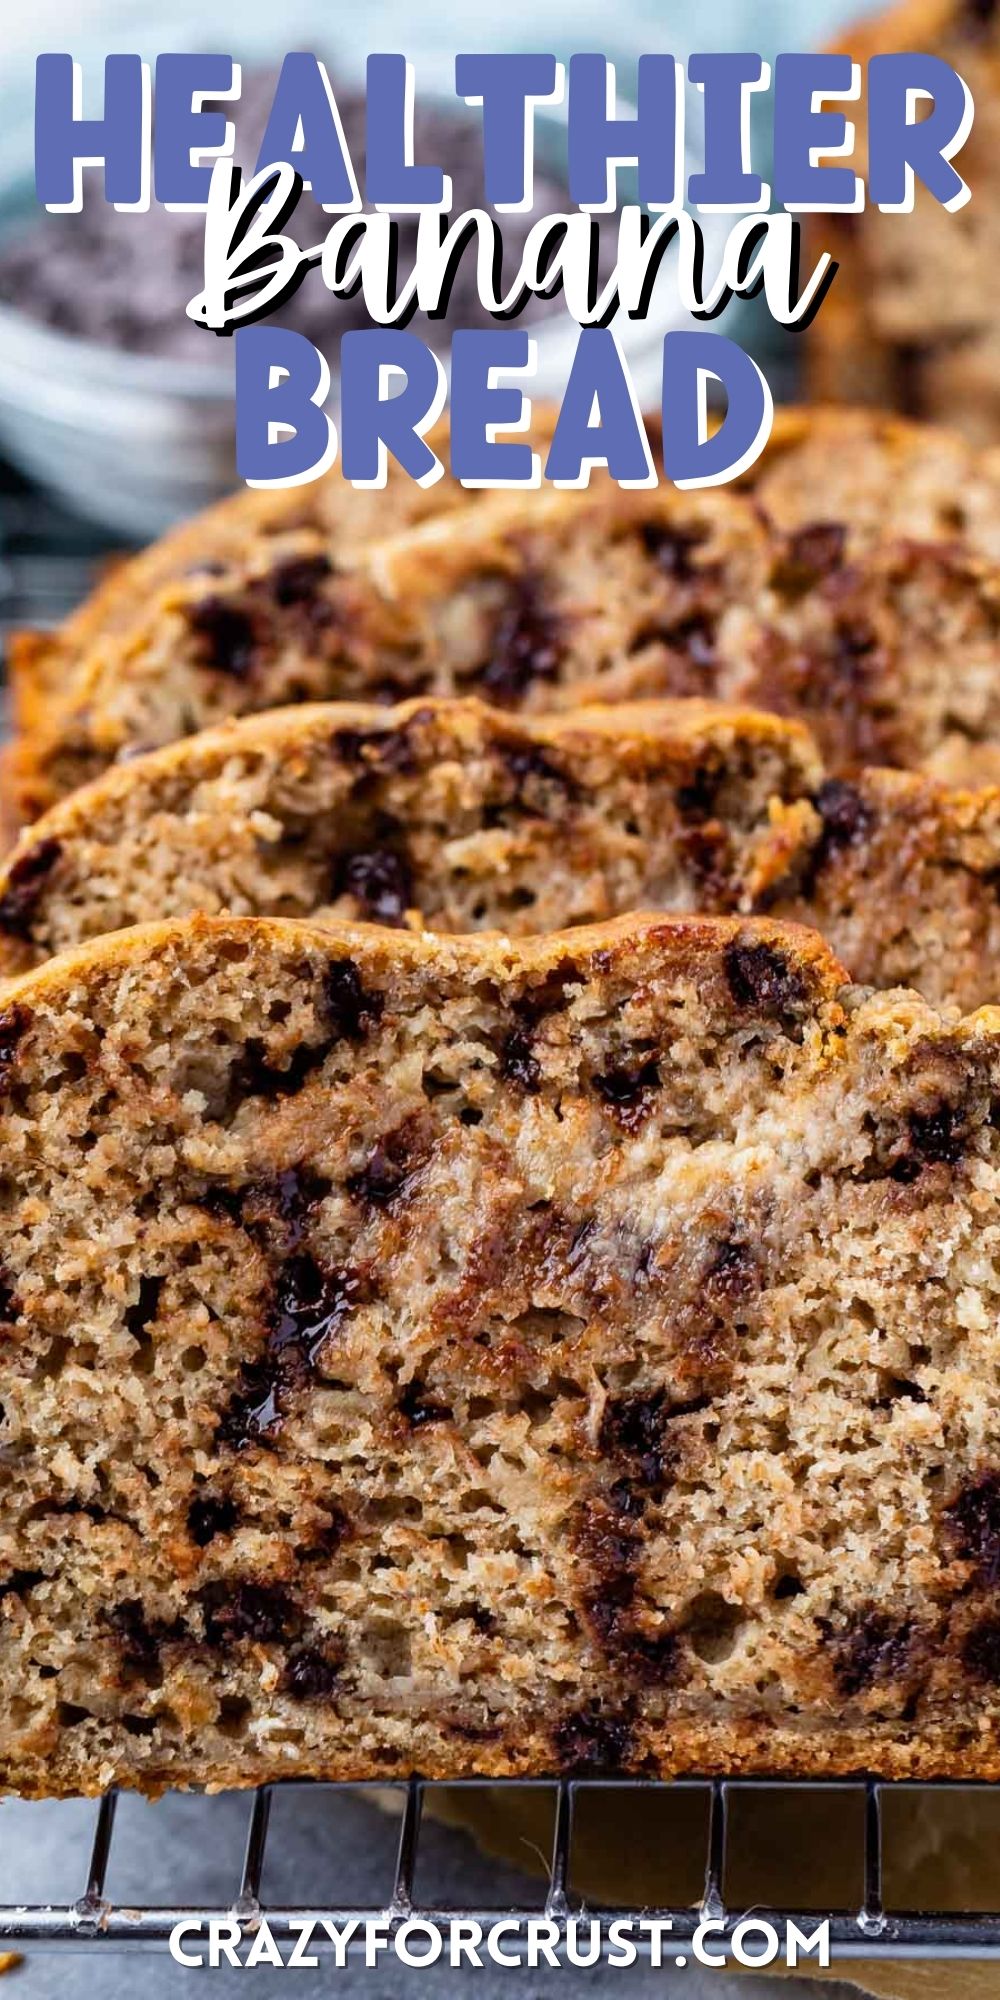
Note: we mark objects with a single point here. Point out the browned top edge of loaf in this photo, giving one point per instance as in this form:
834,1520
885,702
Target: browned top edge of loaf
650,725
686,945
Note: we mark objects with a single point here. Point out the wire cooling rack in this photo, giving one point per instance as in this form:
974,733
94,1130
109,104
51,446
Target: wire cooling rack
870,1930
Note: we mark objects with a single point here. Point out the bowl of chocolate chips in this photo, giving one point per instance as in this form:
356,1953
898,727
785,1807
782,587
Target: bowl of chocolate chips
116,400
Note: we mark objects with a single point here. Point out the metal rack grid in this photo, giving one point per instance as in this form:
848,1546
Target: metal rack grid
868,1931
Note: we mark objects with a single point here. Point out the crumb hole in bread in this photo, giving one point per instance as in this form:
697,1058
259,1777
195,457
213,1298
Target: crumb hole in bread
69,1715
711,1624
385,1648
234,1714
787,1582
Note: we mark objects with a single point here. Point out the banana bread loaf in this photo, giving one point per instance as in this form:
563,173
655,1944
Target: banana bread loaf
470,1357
891,650
909,321
454,816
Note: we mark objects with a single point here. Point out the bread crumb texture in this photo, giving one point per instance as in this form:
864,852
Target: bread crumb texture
484,1357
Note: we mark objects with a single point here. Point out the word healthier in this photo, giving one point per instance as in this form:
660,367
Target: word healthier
284,434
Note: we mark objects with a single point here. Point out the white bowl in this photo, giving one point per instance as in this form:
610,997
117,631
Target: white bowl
137,442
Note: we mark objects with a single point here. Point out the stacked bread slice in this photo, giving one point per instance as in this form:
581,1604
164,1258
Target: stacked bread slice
571,1345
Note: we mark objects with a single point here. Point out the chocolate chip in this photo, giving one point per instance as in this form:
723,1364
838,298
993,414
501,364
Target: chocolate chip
392,1165
10,1305
628,1089
141,1314
974,1522
296,581
847,820
376,750
978,14
351,1010
650,1656
210,1514
253,1412
227,637
310,1302
856,642
527,645
310,1674
535,778
379,881
872,1647
294,1193
592,1739
635,1427
518,1061
695,637
26,880
242,1609
308,1305
254,1075
289,1198
733,1271
707,851
224,1202
670,548
761,980
140,1638
810,553
549,994
646,1656
934,1138
14,1022
698,798
418,1408
981,1651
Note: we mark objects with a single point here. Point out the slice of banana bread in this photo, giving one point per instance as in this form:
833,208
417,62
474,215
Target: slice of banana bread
891,651
909,321
326,516
449,814
876,473
457,817
904,883
452,1355
880,473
